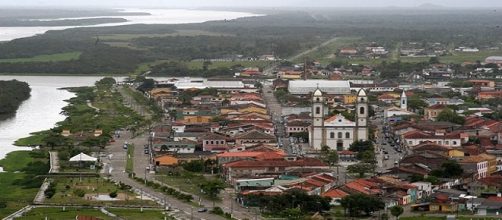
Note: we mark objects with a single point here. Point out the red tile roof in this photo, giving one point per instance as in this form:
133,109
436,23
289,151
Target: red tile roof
305,162
335,193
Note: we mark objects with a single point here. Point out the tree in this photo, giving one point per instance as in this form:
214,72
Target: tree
361,168
258,85
357,203
328,156
448,169
451,168
416,103
450,116
212,188
434,60
360,146
396,211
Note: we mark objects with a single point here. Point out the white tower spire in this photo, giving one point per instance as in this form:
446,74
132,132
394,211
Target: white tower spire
404,101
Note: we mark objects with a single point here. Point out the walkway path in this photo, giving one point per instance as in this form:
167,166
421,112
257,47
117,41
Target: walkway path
54,161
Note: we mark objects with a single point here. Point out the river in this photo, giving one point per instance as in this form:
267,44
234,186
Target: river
157,16
41,110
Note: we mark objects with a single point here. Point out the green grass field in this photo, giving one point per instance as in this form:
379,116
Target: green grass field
58,213
132,214
15,196
220,64
186,182
71,213
45,58
326,54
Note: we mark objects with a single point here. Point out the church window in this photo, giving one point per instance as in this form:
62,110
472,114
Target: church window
318,99
318,110
340,135
362,99
361,111
347,135
332,135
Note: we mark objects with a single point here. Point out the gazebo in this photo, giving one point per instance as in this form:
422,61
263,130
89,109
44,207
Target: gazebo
83,158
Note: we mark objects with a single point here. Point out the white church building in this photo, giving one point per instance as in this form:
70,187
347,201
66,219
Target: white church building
337,132
393,113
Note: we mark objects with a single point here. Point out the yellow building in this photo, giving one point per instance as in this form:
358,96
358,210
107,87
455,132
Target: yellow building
492,162
349,99
166,160
455,153
443,207
192,119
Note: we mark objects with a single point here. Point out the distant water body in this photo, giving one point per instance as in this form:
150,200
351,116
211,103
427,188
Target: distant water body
157,16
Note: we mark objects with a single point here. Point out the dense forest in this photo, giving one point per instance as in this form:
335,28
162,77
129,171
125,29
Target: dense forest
121,49
12,94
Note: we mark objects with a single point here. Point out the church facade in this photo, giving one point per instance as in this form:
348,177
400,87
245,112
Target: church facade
337,132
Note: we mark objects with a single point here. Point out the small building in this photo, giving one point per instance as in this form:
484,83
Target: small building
432,112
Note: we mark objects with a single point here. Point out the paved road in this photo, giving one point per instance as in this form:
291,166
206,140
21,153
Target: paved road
268,71
385,160
115,164
275,109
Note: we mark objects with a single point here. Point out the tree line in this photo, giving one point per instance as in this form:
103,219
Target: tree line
12,94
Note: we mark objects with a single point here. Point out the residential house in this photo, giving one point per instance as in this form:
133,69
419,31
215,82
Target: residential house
254,137
336,196
266,168
184,146
490,206
444,101
424,189
227,157
453,139
214,142
295,127
489,95
432,112
482,83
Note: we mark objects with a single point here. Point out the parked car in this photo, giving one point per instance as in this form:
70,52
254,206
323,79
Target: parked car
202,210
386,157
147,151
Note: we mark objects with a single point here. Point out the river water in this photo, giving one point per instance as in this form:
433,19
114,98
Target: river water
157,16
41,110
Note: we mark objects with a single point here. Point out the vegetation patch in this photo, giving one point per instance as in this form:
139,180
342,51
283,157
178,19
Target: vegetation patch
58,57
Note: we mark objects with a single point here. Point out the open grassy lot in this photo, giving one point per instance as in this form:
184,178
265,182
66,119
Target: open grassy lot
133,214
83,192
71,213
186,181
58,213
15,195
45,58
326,54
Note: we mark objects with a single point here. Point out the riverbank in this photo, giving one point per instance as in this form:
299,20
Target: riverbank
83,120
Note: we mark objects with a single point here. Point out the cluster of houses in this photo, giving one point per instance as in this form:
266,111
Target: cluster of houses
368,50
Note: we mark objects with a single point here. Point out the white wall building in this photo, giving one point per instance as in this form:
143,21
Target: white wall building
337,132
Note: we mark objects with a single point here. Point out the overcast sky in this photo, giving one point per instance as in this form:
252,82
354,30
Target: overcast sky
254,3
